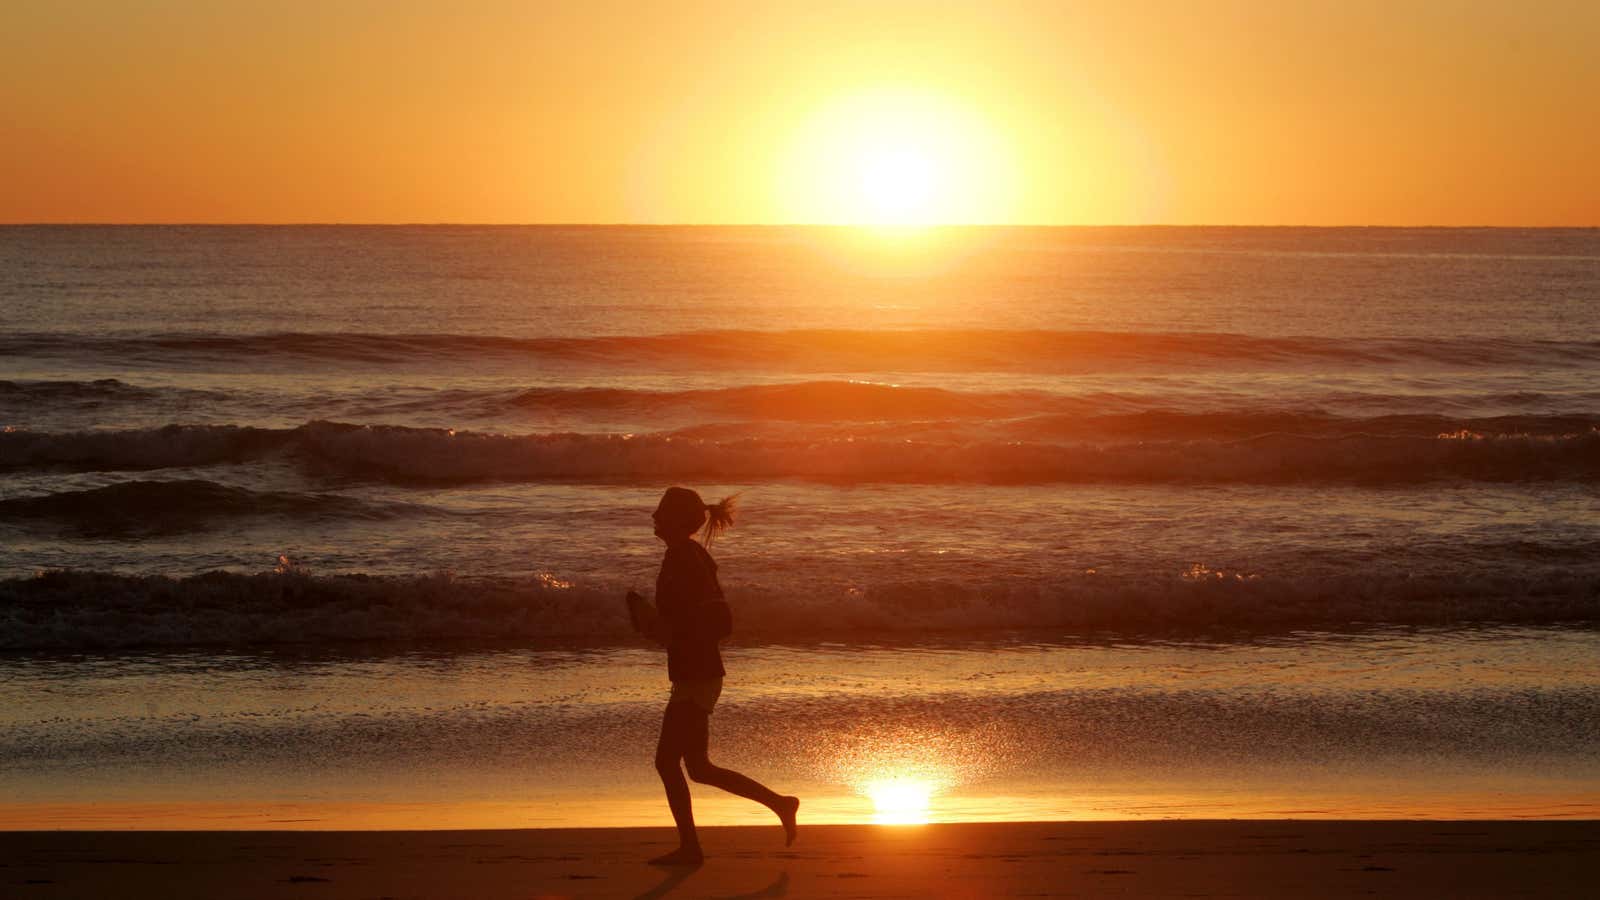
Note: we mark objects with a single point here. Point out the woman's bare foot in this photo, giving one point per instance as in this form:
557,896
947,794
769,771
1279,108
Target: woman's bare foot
788,808
683,856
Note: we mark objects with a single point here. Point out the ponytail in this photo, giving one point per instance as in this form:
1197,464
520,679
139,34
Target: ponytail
719,517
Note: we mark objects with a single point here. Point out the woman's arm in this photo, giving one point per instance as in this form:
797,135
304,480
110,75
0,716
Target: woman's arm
646,620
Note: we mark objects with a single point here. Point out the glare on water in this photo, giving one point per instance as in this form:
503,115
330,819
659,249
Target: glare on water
900,800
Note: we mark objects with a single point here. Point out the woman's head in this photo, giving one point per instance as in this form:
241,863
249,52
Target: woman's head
681,513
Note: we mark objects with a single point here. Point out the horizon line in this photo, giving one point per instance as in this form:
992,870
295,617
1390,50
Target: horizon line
852,225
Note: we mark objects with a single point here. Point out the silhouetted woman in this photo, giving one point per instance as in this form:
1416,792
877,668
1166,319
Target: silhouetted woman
691,618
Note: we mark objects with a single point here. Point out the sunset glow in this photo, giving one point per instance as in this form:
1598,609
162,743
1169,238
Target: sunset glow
897,157
901,800
1021,112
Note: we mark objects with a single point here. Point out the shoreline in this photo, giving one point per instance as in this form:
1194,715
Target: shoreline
1193,858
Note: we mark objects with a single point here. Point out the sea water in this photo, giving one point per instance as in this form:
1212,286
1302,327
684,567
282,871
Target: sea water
329,527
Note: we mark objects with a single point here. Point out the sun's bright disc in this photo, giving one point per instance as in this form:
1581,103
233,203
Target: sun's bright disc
900,801
896,158
898,185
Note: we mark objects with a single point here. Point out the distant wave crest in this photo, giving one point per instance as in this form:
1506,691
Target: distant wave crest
394,453
86,610
820,350
178,505
1124,407
140,448
73,392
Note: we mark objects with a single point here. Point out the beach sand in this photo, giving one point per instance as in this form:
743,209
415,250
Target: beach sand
1050,859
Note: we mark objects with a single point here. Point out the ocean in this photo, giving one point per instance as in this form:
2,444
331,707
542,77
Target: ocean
322,527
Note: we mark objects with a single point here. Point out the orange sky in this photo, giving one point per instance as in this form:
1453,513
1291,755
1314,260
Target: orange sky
1448,112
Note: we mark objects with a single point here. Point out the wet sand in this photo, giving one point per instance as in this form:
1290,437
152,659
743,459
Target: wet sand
1050,859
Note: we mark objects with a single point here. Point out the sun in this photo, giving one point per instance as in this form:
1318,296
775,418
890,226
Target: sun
899,185
896,157
900,801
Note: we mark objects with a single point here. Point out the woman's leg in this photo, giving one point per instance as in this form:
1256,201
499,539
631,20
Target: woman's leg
698,761
678,728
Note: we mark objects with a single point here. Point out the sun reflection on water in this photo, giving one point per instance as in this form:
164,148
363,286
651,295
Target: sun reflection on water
905,773
900,800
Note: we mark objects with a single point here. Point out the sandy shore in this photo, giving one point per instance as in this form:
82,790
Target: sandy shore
1057,859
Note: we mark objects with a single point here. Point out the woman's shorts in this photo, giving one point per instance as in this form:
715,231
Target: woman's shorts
703,694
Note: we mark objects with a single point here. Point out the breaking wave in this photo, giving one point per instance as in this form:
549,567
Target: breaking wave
160,506
817,350
87,610
821,401
1228,449
171,446
1123,408
100,390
